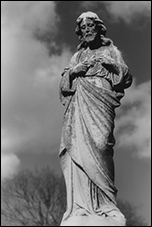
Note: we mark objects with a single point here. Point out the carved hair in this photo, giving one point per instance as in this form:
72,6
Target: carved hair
99,25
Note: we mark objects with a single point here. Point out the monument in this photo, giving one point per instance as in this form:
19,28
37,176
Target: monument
91,88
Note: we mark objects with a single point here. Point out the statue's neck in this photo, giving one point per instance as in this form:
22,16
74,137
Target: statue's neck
95,44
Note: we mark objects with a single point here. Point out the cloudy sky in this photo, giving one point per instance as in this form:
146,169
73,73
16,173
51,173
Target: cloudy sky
38,40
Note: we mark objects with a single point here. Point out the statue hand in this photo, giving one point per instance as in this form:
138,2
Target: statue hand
107,60
79,70
110,65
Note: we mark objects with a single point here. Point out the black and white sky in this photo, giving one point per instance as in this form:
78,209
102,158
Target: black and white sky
38,39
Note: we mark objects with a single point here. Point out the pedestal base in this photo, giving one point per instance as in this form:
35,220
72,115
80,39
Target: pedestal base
96,220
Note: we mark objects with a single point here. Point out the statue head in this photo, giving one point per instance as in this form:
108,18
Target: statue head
88,26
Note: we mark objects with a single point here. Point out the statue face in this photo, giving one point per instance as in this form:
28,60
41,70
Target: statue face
88,29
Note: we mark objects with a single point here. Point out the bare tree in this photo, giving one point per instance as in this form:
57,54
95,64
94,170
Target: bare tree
33,199
39,199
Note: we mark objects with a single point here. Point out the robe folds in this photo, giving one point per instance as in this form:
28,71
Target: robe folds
87,140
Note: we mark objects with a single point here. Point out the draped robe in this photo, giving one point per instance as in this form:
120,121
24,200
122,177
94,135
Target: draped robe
87,140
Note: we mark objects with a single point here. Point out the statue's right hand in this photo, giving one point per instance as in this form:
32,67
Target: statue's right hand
79,70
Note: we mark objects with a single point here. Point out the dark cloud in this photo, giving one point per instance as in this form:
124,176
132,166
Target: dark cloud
128,11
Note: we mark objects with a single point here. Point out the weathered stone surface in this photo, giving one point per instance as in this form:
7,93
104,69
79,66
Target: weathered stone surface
91,88
94,220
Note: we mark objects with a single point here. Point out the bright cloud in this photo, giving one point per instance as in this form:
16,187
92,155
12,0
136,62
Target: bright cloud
133,124
29,15
125,10
9,165
31,111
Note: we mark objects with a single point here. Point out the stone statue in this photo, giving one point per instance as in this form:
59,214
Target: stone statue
90,89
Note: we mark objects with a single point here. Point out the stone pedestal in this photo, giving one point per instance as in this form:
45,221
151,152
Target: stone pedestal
96,220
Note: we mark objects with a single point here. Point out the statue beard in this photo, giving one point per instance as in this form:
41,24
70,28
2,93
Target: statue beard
85,41
89,38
